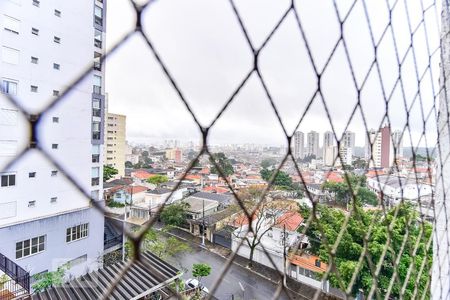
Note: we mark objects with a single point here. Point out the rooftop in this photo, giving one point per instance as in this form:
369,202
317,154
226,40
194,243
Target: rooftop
144,277
309,262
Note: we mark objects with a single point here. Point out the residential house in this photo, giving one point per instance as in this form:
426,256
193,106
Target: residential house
277,231
127,194
307,269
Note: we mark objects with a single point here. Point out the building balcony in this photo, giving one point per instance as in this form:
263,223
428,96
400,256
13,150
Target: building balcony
97,90
97,66
96,135
95,158
17,284
98,43
95,181
96,112
98,21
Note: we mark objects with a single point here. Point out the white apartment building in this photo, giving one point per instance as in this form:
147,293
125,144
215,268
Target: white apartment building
380,147
299,145
44,221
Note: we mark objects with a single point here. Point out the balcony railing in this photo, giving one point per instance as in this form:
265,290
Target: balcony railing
95,158
15,272
97,90
95,181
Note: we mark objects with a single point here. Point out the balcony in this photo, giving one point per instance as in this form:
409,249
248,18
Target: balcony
18,282
96,135
97,66
95,181
97,89
97,43
96,112
95,158
98,21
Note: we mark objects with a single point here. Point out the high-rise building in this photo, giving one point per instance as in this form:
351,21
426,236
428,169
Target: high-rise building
397,138
45,221
347,146
348,140
329,156
312,143
380,147
299,145
328,141
115,142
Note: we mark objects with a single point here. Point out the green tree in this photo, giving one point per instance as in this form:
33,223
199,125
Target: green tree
342,192
158,179
145,160
268,162
392,228
174,214
223,162
109,172
281,180
201,270
49,279
163,246
128,164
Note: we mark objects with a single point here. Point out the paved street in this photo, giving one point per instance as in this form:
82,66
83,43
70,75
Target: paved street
255,287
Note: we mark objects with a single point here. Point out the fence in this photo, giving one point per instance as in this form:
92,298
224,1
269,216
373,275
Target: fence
20,279
393,252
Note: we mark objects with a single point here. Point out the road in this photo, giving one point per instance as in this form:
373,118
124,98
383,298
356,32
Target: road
255,287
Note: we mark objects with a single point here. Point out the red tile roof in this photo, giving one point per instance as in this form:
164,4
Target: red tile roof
308,262
290,220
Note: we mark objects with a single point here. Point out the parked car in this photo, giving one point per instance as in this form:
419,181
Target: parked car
193,283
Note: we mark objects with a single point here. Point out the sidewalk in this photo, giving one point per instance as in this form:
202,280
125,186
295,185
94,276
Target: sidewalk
297,289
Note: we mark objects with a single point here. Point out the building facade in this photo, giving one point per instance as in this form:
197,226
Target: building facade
312,144
115,142
379,147
397,138
44,221
299,145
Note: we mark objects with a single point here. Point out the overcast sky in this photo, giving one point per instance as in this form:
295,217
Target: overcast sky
204,49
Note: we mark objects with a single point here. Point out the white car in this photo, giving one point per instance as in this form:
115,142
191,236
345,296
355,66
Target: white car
193,283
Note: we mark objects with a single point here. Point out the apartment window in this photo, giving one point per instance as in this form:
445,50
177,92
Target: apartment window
95,153
34,88
54,146
57,13
32,174
56,66
53,199
31,246
98,38
34,60
96,108
55,93
32,203
57,39
98,12
95,176
11,24
97,84
55,120
54,173
8,180
34,31
9,87
77,232
36,3
10,55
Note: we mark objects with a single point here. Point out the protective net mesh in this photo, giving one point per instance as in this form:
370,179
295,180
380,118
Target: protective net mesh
390,69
